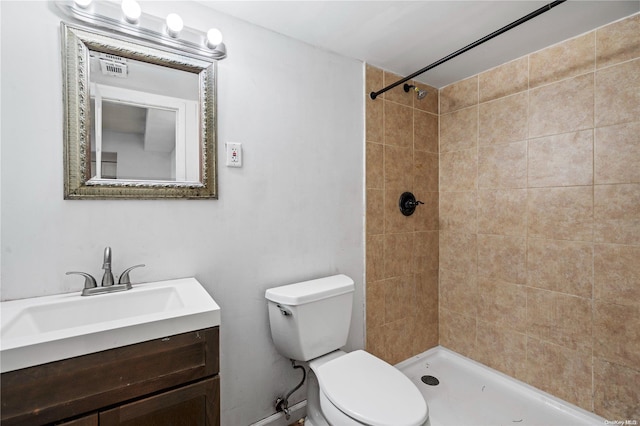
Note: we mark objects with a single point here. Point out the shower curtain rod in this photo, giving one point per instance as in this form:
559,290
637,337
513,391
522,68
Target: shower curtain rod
504,29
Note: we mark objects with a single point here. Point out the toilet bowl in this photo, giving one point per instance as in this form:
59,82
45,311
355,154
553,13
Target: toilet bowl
356,388
310,322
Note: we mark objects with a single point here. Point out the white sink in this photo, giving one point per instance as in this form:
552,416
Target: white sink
44,329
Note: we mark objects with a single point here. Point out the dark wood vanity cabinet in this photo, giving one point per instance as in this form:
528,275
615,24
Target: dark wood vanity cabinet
171,381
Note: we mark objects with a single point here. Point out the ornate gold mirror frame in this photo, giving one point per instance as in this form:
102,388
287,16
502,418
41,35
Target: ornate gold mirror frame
77,42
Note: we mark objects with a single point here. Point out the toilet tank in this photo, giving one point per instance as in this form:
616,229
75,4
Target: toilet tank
311,318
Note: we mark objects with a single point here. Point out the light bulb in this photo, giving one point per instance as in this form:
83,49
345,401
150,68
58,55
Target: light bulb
131,10
83,3
214,38
174,24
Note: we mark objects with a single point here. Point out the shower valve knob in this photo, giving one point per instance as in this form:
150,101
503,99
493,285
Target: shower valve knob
408,203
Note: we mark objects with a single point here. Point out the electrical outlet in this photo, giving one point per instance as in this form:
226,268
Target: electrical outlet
234,154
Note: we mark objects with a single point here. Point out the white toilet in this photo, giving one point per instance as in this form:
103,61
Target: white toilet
310,322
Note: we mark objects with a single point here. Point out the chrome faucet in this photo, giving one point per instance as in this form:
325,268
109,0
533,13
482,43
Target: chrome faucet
107,278
107,285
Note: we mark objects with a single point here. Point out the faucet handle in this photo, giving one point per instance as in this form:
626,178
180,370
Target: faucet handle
124,278
89,281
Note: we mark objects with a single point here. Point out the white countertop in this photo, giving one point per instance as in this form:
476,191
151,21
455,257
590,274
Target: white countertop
44,329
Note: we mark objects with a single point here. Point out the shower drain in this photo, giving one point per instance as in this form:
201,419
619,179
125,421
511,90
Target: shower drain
430,380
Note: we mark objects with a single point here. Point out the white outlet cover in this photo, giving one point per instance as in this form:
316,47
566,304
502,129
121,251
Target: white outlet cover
233,154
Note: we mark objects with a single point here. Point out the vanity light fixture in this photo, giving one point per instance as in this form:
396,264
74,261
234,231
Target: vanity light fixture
214,38
128,18
174,24
131,10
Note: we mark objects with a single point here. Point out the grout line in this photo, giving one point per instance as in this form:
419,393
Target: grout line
593,201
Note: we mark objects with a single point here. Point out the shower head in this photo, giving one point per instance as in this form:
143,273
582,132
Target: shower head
421,93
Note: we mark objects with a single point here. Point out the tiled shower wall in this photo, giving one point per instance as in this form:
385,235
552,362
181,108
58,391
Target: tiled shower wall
402,251
539,219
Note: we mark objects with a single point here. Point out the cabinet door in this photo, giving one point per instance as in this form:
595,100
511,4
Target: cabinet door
91,420
193,405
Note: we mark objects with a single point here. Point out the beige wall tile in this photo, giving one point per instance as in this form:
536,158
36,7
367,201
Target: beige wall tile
502,257
618,94
504,80
458,252
617,274
458,170
616,334
459,95
375,304
427,304
503,120
567,59
616,391
375,258
559,318
375,211
398,125
426,251
561,107
425,127
458,211
427,290
426,325
561,213
616,213
502,304
375,166
458,292
426,171
502,211
618,42
560,371
373,79
426,215
397,94
398,340
502,349
503,166
398,167
457,332
399,325
375,342
399,297
375,121
426,328
459,129
398,254
561,160
617,153
563,266
374,109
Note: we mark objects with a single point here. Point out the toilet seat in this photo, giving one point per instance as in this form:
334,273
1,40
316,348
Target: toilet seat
370,391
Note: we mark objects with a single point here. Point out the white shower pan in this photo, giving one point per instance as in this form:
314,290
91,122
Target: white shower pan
472,394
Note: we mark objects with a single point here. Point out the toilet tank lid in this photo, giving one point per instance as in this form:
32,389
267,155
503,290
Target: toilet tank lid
310,291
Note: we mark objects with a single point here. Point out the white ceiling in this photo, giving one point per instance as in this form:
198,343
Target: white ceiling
405,36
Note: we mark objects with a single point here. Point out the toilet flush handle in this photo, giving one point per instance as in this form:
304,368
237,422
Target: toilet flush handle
284,311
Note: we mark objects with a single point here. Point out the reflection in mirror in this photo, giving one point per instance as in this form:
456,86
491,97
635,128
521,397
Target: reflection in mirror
135,143
138,120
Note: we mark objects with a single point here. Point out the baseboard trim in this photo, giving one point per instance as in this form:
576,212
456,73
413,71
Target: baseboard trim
297,412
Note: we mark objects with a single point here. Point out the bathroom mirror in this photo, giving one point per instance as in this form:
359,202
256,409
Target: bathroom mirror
139,120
